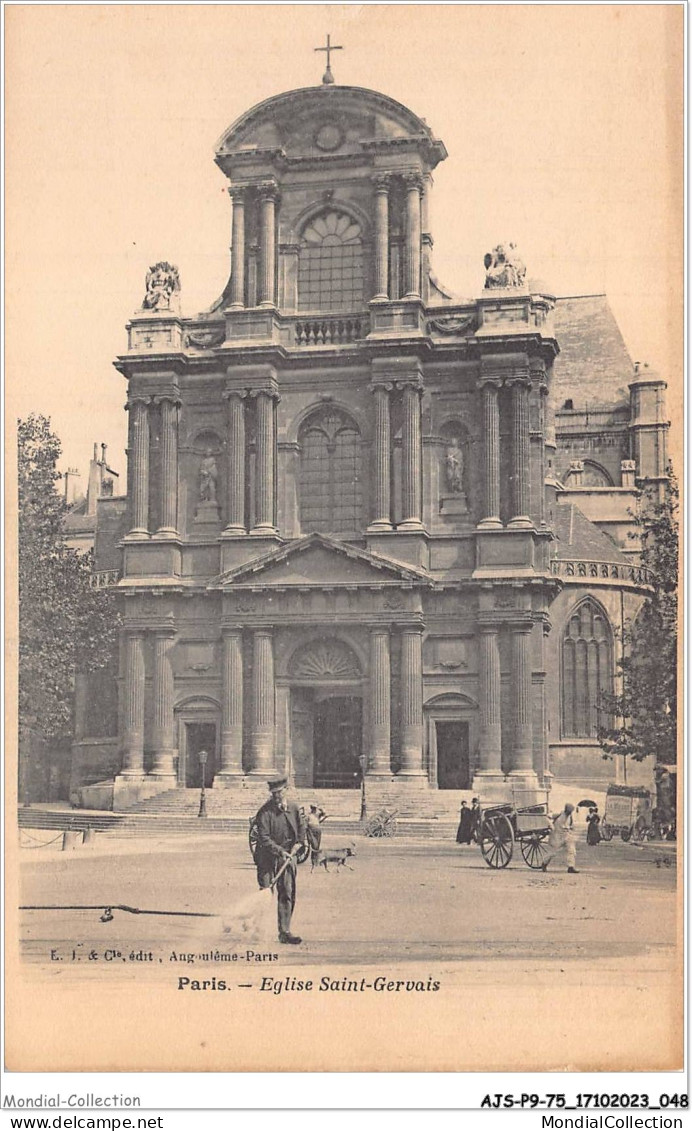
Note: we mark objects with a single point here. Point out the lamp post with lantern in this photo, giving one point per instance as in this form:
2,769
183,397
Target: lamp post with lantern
202,797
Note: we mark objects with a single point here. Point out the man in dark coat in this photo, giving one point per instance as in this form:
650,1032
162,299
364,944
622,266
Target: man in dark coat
280,833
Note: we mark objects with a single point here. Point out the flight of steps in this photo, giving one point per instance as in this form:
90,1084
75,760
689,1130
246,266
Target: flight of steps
421,812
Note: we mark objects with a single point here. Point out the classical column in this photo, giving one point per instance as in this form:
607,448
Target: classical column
411,702
411,459
139,407
169,465
264,467
232,704
521,446
522,754
380,702
491,452
268,198
382,182
163,733
414,187
381,519
235,465
238,248
262,703
489,747
133,712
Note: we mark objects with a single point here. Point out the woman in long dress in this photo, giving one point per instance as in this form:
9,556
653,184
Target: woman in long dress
466,819
593,833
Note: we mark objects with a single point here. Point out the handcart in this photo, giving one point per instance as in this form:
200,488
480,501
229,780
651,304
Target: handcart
523,820
628,812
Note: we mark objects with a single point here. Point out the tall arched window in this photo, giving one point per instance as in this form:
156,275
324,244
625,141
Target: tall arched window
587,670
330,473
330,264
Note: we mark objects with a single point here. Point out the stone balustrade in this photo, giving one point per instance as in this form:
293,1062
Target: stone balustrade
340,330
103,578
603,571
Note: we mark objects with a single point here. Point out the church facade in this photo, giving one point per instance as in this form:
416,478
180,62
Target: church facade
372,529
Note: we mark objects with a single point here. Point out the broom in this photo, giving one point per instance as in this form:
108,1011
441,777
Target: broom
249,917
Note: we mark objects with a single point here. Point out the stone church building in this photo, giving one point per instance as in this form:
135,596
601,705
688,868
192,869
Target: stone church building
371,528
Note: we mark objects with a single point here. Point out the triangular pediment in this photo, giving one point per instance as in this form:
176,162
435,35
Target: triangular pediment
320,561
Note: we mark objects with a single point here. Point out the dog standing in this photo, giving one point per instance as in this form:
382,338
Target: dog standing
338,856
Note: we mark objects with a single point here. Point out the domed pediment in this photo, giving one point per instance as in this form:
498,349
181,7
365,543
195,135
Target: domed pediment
322,121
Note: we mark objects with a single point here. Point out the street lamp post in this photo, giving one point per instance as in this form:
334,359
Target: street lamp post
202,797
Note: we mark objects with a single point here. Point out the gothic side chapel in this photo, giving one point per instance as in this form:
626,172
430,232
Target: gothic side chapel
372,528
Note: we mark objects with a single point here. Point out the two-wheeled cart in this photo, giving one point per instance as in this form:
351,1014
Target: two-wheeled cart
523,820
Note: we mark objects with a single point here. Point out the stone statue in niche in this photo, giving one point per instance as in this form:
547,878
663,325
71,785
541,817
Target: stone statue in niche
453,504
163,288
454,467
504,267
208,476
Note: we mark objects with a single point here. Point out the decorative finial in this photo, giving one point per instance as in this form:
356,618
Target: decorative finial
328,77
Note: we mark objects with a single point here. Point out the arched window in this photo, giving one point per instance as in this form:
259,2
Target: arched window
330,264
587,670
330,473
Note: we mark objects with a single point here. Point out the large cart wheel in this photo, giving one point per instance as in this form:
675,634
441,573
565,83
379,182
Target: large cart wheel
534,849
497,840
253,838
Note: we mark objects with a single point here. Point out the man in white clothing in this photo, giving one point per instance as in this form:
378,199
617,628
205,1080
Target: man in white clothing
562,838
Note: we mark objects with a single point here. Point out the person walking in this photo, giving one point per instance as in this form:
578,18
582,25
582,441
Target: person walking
562,839
281,832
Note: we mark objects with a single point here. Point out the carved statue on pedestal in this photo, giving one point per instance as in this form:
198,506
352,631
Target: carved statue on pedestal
208,475
163,288
504,267
454,467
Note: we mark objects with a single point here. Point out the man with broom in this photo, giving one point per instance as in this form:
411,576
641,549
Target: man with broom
280,833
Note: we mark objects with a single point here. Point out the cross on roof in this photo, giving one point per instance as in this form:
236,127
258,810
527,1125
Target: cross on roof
328,77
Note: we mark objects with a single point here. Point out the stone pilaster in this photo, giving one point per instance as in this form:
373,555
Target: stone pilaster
411,458
414,188
170,407
269,195
139,408
489,747
262,703
522,753
133,705
382,183
521,451
163,734
381,519
490,391
235,485
264,467
238,248
411,703
380,702
231,706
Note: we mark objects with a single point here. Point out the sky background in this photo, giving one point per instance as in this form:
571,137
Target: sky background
563,126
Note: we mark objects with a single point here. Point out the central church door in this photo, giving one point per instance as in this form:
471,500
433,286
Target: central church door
337,742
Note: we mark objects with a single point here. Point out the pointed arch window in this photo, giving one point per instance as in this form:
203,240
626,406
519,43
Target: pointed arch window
330,263
330,473
587,670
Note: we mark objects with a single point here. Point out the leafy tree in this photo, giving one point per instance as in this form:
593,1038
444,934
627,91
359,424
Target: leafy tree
64,624
645,710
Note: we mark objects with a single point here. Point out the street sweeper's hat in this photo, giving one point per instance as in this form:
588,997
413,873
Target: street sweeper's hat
278,783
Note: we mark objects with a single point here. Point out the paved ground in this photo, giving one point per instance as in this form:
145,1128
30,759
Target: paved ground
490,969
405,900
